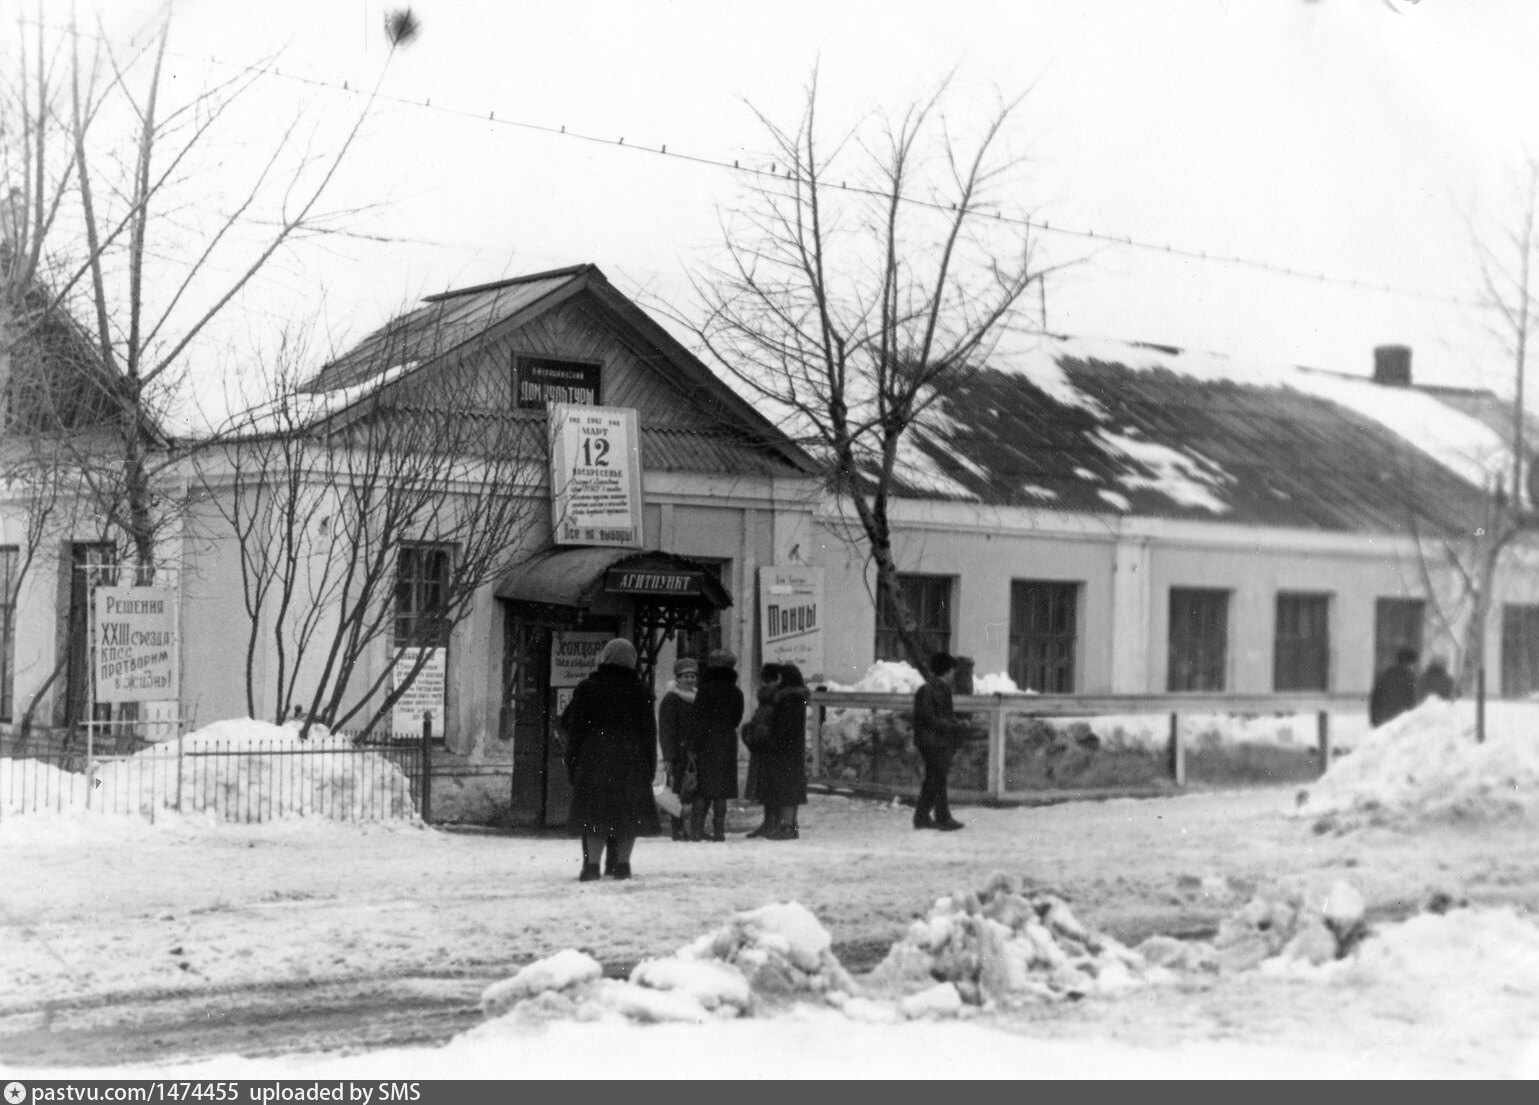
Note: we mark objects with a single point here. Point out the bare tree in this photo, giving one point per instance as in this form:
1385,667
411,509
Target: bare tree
325,495
865,280
101,158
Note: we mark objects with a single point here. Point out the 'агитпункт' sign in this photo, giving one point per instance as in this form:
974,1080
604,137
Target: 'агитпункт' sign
134,644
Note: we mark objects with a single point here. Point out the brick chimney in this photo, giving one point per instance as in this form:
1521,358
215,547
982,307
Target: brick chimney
1392,365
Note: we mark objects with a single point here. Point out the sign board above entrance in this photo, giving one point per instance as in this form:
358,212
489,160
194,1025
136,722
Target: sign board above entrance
671,582
595,476
540,381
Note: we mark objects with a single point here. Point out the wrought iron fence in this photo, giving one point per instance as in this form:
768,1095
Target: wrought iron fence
224,780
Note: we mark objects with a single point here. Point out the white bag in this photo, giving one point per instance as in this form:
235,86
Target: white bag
667,800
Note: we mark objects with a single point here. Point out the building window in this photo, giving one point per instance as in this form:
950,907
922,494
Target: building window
1044,625
705,638
421,592
1397,624
1520,650
10,564
1199,639
1301,657
929,601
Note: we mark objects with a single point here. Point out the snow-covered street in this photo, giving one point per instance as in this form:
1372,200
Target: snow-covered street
101,914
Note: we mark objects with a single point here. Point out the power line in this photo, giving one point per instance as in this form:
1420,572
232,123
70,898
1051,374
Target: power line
774,173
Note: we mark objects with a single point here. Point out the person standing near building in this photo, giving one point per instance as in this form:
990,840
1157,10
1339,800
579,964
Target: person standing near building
611,757
937,733
783,760
756,738
712,736
1434,680
1394,691
673,715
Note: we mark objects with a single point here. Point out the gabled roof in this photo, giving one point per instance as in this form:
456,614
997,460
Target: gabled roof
740,440
1118,429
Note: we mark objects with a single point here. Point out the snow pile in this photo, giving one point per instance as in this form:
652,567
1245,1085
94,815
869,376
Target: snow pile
1002,945
1274,930
1425,767
761,959
242,769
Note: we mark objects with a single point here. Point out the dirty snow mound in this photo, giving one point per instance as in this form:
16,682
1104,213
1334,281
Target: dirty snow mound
1002,945
1425,767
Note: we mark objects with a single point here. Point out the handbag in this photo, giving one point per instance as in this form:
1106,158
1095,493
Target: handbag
690,784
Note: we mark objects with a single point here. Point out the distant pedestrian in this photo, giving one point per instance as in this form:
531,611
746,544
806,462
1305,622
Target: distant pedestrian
937,735
673,715
611,757
712,736
756,738
1394,691
783,760
1435,680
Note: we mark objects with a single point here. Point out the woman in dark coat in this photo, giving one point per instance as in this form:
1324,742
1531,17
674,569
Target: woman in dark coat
713,739
755,735
611,755
783,764
673,715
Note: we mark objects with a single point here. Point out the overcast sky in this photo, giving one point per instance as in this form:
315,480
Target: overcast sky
1350,138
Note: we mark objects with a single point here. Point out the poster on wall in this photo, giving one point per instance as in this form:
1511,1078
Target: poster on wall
791,616
426,693
595,476
573,657
134,644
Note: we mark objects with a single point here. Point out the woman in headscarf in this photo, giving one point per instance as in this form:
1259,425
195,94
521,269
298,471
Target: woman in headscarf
673,715
611,756
783,762
755,734
713,739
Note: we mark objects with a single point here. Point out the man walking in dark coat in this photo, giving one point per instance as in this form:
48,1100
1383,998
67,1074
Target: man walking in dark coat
937,733
1394,691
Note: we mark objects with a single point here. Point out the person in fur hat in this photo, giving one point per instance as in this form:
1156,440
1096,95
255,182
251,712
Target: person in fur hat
611,756
673,718
713,739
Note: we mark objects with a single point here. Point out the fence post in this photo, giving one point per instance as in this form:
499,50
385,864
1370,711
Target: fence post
1323,728
427,765
179,735
997,749
1177,752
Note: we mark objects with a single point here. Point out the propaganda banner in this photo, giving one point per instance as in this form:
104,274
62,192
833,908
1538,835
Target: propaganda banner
426,693
134,644
595,475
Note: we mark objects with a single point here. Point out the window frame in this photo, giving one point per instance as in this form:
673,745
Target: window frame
1207,672
1060,673
1291,653
931,598
406,625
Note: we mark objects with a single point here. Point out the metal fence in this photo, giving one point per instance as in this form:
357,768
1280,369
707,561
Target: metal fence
1028,746
232,781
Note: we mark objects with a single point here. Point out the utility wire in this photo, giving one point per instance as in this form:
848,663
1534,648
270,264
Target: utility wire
774,172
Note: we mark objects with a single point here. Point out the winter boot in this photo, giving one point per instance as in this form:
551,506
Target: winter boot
590,873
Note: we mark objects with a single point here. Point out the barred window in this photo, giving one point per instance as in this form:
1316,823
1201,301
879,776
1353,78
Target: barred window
421,594
1044,634
1199,639
1520,650
929,601
1301,659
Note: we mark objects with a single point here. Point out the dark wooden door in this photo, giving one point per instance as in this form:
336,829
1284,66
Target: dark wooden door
526,716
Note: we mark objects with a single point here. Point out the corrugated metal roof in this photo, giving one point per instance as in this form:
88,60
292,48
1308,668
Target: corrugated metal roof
443,324
1118,439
